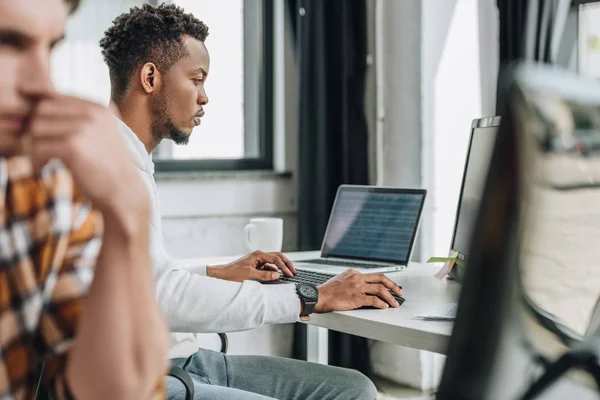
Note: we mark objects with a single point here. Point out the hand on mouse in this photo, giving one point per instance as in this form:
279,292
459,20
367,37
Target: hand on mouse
255,266
351,290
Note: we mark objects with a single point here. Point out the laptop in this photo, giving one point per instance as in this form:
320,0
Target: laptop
370,229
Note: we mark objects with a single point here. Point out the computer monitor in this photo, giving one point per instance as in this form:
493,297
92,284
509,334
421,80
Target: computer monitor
548,140
481,143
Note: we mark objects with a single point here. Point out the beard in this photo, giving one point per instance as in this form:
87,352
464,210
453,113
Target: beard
162,124
166,129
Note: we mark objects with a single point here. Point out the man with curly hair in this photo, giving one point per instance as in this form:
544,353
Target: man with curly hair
77,301
158,64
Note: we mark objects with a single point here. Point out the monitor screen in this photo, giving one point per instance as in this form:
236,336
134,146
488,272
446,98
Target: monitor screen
475,174
369,223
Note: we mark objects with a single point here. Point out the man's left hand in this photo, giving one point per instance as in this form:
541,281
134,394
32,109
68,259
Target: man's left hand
255,266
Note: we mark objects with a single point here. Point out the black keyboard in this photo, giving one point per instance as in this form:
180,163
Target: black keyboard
334,263
303,276
318,278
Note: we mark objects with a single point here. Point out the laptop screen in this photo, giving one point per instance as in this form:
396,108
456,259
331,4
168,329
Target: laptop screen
375,224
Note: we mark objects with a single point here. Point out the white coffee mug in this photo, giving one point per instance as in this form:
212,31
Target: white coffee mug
264,234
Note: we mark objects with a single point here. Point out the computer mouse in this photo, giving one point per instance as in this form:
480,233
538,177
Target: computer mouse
399,299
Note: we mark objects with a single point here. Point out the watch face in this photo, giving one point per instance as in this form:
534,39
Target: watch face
308,291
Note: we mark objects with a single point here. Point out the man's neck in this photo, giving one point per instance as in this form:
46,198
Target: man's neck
140,123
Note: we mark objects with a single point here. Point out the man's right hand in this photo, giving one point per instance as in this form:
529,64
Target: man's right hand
351,290
85,137
254,266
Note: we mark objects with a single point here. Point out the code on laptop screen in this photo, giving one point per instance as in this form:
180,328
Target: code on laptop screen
373,225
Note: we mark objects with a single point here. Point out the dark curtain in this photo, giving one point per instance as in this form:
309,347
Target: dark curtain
331,46
512,19
527,32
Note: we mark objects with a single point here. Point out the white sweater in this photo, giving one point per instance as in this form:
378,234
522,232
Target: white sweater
195,303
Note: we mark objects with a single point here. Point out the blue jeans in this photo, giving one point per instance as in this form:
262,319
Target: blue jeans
223,377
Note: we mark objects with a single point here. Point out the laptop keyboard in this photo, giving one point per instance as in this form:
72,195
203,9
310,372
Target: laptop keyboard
348,264
318,278
303,276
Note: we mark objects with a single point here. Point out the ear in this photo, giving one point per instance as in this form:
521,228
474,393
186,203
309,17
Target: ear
149,77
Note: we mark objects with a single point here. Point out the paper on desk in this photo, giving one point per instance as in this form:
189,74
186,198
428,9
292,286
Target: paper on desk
446,312
449,263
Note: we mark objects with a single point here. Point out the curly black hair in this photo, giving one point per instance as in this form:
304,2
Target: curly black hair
147,34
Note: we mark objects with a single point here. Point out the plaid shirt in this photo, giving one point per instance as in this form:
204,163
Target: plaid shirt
49,242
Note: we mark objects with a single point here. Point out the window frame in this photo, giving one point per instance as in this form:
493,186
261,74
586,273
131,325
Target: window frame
266,131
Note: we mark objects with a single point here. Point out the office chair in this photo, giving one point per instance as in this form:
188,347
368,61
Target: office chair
184,377
178,373
224,343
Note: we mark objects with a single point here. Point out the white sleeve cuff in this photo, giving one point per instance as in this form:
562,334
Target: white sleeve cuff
197,269
189,265
282,304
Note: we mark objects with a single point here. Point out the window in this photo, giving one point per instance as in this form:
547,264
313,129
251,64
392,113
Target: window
589,39
236,132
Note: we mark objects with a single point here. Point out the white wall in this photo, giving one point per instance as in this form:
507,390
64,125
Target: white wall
205,217
401,93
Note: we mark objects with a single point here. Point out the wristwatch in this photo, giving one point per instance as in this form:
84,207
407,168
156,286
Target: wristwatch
309,296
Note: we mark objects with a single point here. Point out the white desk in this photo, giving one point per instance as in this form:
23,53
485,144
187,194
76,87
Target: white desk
422,291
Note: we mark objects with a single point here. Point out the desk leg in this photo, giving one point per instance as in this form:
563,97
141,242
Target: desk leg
317,344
